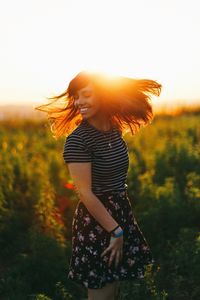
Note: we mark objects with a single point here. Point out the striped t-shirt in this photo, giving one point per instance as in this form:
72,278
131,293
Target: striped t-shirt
109,165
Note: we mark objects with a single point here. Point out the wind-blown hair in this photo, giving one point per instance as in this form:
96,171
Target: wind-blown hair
126,101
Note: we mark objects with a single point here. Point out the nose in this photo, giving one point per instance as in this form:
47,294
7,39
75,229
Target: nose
80,103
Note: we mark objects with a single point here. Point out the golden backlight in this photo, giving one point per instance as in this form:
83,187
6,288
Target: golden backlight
45,43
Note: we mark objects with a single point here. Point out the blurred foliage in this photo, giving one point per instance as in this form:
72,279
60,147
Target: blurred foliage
38,200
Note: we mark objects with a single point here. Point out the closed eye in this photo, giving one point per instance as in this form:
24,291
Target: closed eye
87,95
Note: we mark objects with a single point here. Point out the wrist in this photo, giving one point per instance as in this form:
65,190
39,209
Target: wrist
117,232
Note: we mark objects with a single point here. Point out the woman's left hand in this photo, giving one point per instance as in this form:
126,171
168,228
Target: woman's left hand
116,248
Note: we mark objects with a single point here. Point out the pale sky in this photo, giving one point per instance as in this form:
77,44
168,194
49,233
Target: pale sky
44,43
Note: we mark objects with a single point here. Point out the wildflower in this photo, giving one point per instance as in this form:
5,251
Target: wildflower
69,185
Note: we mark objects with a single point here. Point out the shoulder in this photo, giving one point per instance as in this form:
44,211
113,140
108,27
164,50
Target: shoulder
82,133
74,140
76,147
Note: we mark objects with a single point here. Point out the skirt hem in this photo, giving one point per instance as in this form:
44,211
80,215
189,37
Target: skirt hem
85,283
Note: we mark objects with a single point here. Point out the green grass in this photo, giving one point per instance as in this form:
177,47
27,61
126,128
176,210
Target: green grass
37,206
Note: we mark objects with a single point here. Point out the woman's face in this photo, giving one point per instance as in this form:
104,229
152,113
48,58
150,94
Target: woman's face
87,102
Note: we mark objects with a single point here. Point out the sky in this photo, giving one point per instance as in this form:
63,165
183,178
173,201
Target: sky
44,43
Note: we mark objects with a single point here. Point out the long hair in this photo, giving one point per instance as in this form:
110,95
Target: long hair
125,100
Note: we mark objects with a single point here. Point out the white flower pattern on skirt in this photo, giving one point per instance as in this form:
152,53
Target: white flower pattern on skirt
90,239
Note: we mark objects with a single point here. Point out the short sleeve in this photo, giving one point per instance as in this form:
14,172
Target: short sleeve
76,150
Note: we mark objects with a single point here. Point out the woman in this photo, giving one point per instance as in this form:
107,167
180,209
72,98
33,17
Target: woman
107,243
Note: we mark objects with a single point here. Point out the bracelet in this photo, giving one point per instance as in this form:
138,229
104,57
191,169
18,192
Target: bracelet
114,228
116,235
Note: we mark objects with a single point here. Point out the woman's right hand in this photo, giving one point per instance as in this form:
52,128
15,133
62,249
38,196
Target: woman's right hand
116,249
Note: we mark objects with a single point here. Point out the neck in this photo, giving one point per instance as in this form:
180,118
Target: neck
101,123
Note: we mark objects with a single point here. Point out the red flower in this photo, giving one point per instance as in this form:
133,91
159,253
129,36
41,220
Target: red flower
69,185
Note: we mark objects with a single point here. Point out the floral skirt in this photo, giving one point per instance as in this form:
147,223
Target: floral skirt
90,239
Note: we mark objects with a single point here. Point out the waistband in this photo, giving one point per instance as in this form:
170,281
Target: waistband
113,191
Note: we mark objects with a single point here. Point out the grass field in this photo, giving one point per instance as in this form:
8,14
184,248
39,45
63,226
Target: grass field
37,202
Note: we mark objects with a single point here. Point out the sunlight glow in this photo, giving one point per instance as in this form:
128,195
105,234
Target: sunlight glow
46,43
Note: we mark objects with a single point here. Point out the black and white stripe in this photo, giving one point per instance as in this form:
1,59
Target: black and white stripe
109,165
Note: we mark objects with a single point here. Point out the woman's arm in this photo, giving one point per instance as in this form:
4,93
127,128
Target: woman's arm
81,175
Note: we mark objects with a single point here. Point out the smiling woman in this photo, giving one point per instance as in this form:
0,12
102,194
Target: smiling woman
125,101
104,228
86,101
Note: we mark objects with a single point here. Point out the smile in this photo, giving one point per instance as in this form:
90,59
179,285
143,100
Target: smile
82,110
